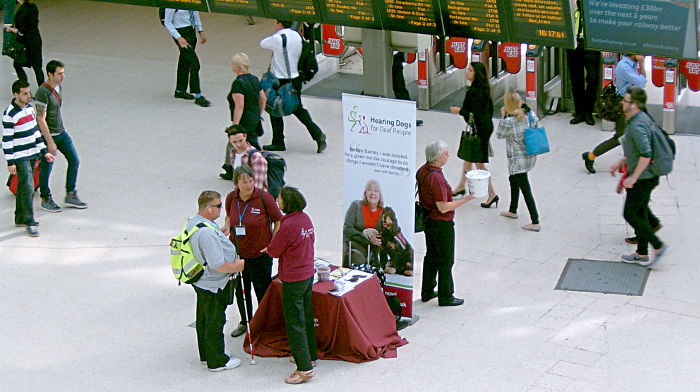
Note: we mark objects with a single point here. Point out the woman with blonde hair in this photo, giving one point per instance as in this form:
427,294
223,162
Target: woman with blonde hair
516,118
360,236
246,102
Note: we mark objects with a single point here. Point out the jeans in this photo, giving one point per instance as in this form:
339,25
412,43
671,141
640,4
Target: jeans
301,113
439,259
636,213
64,143
24,213
8,10
520,183
188,63
299,322
257,271
211,317
584,88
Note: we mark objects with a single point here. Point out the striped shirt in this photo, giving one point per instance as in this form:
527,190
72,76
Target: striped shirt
259,165
21,139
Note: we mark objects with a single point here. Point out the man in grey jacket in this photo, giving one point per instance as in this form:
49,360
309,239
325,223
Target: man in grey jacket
214,288
640,180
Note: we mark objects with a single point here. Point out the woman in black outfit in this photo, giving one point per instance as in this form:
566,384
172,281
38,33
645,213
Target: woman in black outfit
27,30
478,102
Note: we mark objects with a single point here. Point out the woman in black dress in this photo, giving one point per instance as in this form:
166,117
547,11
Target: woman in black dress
478,102
27,30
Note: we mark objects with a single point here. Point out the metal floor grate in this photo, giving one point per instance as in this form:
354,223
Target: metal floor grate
600,276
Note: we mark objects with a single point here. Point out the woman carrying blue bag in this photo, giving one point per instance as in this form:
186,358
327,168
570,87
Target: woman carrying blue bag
516,118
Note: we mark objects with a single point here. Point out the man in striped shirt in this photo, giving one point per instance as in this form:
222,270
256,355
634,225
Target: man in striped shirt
22,144
241,155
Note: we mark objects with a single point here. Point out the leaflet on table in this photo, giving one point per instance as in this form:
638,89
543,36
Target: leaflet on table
349,281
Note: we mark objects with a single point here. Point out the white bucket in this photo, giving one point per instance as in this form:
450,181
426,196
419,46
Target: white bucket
478,181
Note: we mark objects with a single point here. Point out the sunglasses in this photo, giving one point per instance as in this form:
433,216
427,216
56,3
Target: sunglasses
215,205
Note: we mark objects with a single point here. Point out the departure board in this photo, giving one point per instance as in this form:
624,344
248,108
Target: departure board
413,16
304,10
356,13
150,3
240,7
473,19
541,22
197,5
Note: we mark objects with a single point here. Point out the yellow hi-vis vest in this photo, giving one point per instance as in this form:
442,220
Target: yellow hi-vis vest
186,269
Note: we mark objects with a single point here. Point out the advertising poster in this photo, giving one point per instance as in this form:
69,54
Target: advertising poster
379,161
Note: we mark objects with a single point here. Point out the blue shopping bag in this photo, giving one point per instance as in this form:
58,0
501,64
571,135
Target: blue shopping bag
536,142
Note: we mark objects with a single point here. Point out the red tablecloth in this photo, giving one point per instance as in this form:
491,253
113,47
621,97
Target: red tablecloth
357,327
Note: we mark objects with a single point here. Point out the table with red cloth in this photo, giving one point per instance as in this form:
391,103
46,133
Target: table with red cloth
355,327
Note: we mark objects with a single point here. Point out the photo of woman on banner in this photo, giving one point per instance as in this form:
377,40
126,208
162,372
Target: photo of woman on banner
361,240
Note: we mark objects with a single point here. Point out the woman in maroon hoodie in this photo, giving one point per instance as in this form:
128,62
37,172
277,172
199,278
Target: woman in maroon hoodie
293,244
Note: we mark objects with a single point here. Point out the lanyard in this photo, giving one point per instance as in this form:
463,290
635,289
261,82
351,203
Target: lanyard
240,216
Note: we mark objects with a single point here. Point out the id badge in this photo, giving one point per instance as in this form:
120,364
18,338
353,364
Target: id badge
239,230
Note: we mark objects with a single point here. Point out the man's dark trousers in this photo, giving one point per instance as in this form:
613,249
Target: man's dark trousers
211,317
636,212
188,63
584,88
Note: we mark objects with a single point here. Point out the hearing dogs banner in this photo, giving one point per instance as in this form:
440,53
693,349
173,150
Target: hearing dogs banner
380,162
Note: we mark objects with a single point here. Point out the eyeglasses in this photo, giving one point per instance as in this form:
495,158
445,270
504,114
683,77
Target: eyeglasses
215,205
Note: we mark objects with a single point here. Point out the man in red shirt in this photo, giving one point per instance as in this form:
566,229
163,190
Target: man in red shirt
435,194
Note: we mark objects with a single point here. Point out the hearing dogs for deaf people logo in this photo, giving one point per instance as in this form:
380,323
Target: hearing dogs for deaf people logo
357,120
381,125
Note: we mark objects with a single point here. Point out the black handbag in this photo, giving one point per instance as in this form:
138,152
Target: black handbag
421,212
470,144
18,52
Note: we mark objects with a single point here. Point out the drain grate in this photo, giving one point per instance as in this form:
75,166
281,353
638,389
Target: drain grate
600,276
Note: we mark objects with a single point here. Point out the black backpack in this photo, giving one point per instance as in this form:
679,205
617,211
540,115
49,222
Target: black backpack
276,167
663,150
308,66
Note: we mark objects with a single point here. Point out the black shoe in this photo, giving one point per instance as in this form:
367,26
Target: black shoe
228,172
240,330
459,193
419,123
274,147
321,144
588,163
454,301
184,95
634,240
589,120
576,120
428,298
201,101
489,204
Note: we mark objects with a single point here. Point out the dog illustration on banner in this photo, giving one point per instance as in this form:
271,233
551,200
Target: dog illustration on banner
395,252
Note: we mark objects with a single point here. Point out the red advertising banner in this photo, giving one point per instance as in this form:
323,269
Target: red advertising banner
657,71
510,53
457,48
691,70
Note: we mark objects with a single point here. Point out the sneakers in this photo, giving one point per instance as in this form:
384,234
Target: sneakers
71,200
532,227
321,144
509,214
657,257
454,301
49,205
634,259
201,101
588,163
231,364
240,330
31,230
184,95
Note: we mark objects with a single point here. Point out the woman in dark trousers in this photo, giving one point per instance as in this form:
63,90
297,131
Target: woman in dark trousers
478,102
249,214
27,30
293,244
246,102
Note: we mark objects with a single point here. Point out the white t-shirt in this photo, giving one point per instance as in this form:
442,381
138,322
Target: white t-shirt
274,43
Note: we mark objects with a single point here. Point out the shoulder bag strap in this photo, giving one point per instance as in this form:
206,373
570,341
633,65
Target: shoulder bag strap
55,94
286,56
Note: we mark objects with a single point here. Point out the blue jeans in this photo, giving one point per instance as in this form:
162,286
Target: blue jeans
8,9
24,214
65,146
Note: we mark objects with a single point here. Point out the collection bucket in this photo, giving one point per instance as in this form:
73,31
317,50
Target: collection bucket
478,181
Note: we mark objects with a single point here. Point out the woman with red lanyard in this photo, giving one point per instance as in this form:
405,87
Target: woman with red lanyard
249,212
293,244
